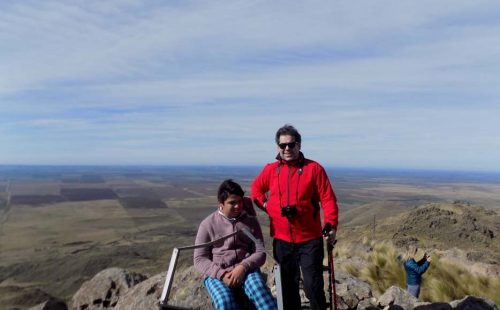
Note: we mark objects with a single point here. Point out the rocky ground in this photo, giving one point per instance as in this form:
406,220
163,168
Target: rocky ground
457,224
119,289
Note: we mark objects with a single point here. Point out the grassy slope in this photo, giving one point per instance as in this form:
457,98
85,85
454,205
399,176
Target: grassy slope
443,282
471,232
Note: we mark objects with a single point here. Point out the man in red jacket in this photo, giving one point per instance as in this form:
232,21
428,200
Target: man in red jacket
291,191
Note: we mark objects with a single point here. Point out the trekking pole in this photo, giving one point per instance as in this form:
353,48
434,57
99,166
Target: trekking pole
331,269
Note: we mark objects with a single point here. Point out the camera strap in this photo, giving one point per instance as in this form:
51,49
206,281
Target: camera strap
278,170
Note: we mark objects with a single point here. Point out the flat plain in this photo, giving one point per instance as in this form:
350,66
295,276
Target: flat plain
59,226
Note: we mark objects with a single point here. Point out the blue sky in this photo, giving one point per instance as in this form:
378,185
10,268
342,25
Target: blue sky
386,84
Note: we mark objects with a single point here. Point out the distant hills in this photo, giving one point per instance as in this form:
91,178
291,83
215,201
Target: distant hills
460,225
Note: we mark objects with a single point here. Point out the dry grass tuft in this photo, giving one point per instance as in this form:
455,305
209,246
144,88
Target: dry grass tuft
445,281
383,268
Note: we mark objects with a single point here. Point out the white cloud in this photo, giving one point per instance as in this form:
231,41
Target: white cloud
148,79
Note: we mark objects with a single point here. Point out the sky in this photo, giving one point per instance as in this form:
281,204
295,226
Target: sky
381,84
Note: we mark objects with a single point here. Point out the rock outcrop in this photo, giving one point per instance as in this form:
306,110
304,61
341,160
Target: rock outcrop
119,289
144,295
105,289
471,228
188,292
350,290
397,296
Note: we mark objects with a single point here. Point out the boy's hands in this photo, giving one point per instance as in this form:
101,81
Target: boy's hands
235,277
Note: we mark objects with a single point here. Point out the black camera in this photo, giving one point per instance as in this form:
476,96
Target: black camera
289,211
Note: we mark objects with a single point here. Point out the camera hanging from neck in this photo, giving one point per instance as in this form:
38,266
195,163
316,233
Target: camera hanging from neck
289,211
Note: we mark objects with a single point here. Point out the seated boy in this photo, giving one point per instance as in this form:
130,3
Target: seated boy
233,263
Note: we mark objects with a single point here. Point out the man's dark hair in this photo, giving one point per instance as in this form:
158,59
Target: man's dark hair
229,187
288,130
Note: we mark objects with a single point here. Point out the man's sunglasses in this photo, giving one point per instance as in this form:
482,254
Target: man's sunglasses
290,145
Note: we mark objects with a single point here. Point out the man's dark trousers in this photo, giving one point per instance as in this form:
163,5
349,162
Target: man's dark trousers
309,257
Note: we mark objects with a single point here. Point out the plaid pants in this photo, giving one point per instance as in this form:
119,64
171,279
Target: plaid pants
253,286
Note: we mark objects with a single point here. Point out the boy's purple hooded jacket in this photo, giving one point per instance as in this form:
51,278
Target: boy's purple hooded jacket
214,261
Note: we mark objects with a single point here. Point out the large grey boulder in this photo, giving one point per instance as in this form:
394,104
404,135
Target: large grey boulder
350,290
105,288
187,292
367,304
473,303
144,295
396,296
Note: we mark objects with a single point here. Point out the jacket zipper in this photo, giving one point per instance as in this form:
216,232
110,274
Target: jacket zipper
234,242
288,203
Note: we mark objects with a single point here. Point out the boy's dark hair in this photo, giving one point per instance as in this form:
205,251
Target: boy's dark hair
288,130
229,187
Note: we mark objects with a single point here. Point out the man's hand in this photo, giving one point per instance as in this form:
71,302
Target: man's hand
331,237
235,277
330,234
263,207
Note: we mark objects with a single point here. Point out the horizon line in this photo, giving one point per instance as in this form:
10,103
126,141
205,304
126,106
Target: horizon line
401,169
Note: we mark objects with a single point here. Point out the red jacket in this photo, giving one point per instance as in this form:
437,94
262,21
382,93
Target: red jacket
304,185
